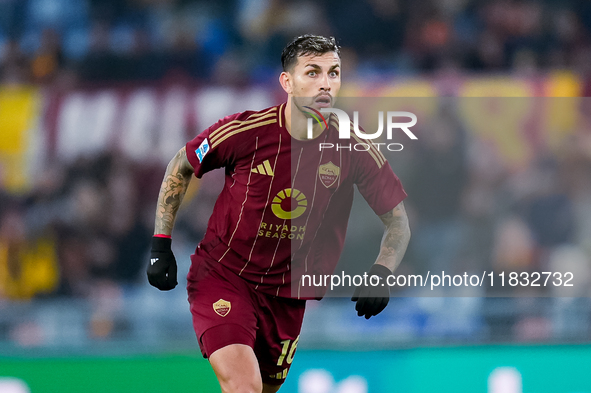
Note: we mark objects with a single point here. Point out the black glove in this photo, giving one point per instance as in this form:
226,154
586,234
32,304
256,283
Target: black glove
162,268
372,300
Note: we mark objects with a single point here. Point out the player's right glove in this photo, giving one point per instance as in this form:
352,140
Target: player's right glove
162,269
371,300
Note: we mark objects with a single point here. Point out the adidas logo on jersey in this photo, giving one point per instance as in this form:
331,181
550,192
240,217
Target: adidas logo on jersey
263,169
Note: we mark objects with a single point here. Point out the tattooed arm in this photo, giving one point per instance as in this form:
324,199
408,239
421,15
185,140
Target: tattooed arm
370,299
396,237
174,186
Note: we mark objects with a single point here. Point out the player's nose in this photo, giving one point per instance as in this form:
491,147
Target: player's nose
325,83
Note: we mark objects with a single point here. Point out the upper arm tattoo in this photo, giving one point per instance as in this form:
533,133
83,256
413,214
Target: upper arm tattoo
396,237
173,189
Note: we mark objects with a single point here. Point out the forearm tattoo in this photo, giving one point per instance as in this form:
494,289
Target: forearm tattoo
173,189
396,237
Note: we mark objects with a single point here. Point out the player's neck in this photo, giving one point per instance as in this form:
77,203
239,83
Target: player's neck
296,124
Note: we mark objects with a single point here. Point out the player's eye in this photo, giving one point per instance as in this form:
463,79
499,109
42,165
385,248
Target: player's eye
311,73
334,74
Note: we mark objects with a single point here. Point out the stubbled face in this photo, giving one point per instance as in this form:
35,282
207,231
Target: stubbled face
314,81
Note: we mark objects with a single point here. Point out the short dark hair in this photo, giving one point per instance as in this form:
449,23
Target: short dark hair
307,44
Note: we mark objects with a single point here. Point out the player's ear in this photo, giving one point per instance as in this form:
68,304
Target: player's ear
285,81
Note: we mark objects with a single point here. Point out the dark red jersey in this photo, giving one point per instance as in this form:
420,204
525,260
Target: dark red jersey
285,204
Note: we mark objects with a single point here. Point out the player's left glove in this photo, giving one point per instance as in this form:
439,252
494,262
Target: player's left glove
162,269
371,300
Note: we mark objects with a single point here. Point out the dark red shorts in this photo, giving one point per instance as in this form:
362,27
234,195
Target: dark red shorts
227,310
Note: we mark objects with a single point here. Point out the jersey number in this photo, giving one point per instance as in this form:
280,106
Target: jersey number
285,349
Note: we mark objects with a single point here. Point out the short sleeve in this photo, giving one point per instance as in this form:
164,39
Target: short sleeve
209,150
378,184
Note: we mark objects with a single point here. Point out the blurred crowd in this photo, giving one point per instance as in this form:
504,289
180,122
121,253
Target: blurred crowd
84,229
474,210
81,229
239,41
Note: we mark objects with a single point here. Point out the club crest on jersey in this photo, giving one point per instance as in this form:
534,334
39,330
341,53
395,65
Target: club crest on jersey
222,307
329,174
202,149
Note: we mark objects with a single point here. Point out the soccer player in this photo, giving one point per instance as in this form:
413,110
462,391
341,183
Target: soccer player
282,213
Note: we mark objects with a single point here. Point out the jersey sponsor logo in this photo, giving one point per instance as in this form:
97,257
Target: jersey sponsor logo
202,150
263,169
329,174
222,307
282,231
285,199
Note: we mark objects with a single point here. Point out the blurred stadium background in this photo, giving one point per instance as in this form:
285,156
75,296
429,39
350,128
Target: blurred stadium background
97,95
